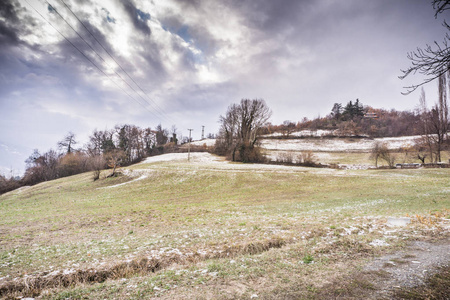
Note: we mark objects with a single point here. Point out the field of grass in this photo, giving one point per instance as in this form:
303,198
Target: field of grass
205,229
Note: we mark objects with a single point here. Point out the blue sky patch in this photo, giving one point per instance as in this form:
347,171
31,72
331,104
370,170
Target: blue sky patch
108,16
183,32
142,15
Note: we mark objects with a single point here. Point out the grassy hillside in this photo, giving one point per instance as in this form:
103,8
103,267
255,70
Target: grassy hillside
211,229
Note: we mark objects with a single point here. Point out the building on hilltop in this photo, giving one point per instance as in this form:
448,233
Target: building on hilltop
371,115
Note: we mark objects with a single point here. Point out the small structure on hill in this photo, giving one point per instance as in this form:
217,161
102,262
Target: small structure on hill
371,115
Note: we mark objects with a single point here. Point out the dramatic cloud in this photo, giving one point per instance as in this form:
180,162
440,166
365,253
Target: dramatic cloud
183,62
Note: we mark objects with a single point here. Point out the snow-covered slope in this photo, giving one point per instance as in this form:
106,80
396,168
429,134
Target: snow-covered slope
335,144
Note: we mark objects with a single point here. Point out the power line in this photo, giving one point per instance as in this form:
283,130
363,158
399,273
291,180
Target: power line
87,58
81,52
123,70
54,9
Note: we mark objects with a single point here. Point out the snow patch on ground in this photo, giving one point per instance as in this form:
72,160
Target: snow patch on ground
120,184
378,243
204,142
325,145
211,162
195,157
304,133
335,144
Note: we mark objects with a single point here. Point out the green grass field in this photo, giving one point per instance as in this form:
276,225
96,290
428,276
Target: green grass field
215,230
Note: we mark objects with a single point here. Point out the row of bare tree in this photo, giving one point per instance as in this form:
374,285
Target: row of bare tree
122,145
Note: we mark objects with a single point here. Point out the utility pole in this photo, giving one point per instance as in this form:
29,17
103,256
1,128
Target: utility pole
189,146
203,132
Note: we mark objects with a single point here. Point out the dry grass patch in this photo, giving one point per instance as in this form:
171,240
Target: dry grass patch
279,224
34,284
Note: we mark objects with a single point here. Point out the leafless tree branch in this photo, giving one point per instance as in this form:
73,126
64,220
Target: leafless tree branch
440,6
432,62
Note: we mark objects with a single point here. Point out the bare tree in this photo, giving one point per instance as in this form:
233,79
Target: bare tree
439,118
114,159
435,122
433,62
240,128
130,139
440,6
96,164
100,142
149,140
381,151
288,127
68,142
375,153
174,133
422,149
162,135
8,184
426,141
41,167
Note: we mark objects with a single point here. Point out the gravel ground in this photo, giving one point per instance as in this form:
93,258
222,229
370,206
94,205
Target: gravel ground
409,267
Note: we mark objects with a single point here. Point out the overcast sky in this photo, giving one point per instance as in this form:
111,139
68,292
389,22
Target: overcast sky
193,58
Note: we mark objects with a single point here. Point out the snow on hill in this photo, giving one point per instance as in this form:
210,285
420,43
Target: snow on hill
305,133
194,157
207,142
322,145
335,144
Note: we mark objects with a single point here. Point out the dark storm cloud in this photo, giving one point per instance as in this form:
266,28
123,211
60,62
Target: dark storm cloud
11,27
271,16
13,61
196,4
206,97
151,62
43,68
8,10
197,34
8,35
138,17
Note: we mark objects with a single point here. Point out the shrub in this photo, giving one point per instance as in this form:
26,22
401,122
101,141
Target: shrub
7,185
285,157
307,158
381,151
96,163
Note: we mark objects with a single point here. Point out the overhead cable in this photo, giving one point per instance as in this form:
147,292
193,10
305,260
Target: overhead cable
56,11
81,52
110,55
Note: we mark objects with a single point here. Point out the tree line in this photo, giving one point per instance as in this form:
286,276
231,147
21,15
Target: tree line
123,145
127,144
239,136
356,119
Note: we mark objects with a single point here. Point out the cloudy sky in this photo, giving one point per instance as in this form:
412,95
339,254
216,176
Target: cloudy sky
80,65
